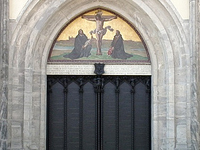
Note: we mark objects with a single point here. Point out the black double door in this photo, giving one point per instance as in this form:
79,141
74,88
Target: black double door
98,113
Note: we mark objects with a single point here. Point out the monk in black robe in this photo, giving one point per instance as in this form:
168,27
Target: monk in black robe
82,47
117,47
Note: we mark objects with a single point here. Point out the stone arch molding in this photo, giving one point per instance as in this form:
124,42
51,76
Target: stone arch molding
32,38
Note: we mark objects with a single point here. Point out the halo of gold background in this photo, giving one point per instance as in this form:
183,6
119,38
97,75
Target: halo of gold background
128,33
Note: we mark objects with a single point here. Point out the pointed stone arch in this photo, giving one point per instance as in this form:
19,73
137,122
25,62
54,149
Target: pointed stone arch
163,33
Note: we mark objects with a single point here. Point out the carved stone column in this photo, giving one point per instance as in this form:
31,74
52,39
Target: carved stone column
198,48
194,38
3,73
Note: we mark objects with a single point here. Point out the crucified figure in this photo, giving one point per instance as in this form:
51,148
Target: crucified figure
100,31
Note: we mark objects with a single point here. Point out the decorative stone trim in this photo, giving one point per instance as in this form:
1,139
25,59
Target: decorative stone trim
89,70
194,55
3,72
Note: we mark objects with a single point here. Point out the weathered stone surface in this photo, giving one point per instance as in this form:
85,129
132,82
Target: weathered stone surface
89,69
3,73
16,136
174,69
194,103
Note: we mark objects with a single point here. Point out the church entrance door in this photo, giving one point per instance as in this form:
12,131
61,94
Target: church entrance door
98,112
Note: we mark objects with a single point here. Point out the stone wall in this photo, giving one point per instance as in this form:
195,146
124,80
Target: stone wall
3,73
194,46
168,39
198,62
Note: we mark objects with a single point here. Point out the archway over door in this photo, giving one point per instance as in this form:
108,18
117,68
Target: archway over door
31,42
99,112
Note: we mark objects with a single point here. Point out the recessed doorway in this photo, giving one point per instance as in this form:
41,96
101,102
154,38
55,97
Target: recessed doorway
99,113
